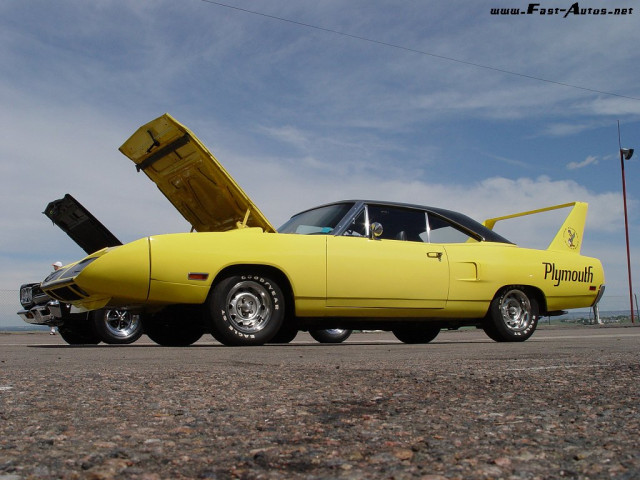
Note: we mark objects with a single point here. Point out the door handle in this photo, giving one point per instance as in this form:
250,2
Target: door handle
437,255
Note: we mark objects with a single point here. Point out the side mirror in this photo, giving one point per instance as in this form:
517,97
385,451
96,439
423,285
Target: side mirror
375,231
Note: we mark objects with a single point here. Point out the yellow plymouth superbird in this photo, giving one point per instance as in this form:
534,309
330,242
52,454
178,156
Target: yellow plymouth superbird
351,264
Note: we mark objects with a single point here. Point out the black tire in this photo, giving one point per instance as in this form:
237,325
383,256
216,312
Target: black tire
174,326
79,330
416,334
117,327
331,335
286,334
512,317
246,309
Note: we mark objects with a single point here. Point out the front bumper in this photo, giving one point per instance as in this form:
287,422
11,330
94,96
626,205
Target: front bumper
49,314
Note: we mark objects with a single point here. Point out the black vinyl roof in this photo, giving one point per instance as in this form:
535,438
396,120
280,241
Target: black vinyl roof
458,218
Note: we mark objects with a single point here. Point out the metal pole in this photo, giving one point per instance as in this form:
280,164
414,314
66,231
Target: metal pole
626,231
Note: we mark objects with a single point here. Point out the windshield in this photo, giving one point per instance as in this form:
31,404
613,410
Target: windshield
321,220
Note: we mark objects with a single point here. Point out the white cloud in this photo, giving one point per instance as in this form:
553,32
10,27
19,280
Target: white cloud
288,134
484,199
587,161
565,129
612,106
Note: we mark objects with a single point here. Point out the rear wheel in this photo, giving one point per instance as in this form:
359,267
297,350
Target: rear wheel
79,330
513,316
331,335
416,334
174,326
246,309
117,326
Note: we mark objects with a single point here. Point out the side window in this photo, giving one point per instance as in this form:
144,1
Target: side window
441,231
399,223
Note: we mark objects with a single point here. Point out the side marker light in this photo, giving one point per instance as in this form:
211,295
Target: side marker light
197,276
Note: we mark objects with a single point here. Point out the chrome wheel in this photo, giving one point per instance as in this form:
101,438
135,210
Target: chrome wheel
512,316
117,326
516,311
249,306
246,309
121,323
335,331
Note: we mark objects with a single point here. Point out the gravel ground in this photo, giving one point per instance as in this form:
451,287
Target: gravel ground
332,412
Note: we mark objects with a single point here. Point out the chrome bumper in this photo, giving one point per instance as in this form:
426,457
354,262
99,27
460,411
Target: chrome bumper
49,314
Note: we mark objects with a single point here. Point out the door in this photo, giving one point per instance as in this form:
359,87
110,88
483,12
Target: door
386,273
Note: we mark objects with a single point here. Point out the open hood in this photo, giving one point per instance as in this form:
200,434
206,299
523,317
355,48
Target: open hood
77,222
191,177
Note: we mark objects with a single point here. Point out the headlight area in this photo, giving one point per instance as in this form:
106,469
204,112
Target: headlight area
117,277
26,296
59,285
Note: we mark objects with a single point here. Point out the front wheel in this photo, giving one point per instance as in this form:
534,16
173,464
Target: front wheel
246,309
513,316
331,335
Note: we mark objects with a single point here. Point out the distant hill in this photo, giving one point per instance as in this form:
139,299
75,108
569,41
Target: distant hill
25,328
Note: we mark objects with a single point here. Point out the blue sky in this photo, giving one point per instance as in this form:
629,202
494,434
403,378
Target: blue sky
302,115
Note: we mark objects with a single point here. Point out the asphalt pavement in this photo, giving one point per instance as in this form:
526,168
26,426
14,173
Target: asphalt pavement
564,404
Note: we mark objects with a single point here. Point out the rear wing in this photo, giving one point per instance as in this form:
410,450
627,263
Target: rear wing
569,237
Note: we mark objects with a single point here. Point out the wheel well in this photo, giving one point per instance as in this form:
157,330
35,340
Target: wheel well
273,272
531,291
